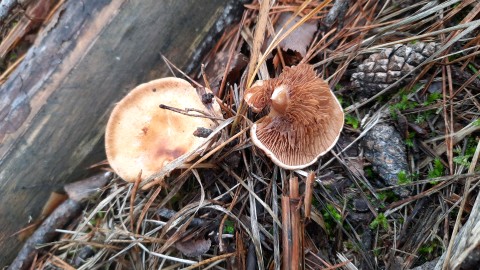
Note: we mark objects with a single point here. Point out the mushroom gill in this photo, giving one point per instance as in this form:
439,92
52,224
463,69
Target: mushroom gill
304,122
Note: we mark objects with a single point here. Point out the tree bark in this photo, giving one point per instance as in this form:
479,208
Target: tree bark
54,107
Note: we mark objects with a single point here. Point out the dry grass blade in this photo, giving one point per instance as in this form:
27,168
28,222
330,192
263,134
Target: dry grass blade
448,258
455,137
286,232
345,262
258,38
255,225
276,234
252,192
211,260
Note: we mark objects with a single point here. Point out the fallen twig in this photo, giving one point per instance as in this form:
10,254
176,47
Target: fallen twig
72,207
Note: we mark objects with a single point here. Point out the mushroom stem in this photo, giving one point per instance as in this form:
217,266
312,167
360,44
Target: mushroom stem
280,99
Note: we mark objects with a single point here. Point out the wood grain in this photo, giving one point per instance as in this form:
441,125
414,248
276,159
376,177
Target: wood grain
54,107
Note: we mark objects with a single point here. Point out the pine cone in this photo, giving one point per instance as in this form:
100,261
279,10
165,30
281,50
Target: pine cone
382,69
385,149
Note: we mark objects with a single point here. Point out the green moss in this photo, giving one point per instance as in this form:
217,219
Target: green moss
12,57
331,217
429,249
352,121
409,140
462,160
473,69
432,98
476,122
229,227
338,87
437,171
404,104
379,222
369,172
377,251
332,213
405,178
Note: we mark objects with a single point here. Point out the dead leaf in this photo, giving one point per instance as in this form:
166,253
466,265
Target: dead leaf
216,69
299,39
194,247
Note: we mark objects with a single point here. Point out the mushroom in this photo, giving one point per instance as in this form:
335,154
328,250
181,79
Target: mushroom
141,138
305,118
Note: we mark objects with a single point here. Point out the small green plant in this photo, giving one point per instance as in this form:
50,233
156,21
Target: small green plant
315,202
331,217
405,178
454,56
338,87
464,157
420,119
379,222
409,140
332,212
432,98
437,171
345,102
382,196
473,69
101,214
12,57
340,99
471,146
377,251
387,195
229,227
403,104
426,249
368,172
463,160
352,120
429,248
476,123
349,245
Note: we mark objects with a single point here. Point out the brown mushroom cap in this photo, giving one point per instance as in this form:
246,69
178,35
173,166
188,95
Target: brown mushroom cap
305,118
142,137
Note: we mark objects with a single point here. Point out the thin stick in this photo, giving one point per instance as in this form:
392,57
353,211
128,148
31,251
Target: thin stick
309,193
286,229
213,259
132,198
258,39
187,110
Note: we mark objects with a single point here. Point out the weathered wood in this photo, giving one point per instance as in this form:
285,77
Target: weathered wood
77,192
54,107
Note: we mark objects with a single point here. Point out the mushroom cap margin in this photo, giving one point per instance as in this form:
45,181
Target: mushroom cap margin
137,117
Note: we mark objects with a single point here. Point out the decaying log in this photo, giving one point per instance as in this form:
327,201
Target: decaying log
54,106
